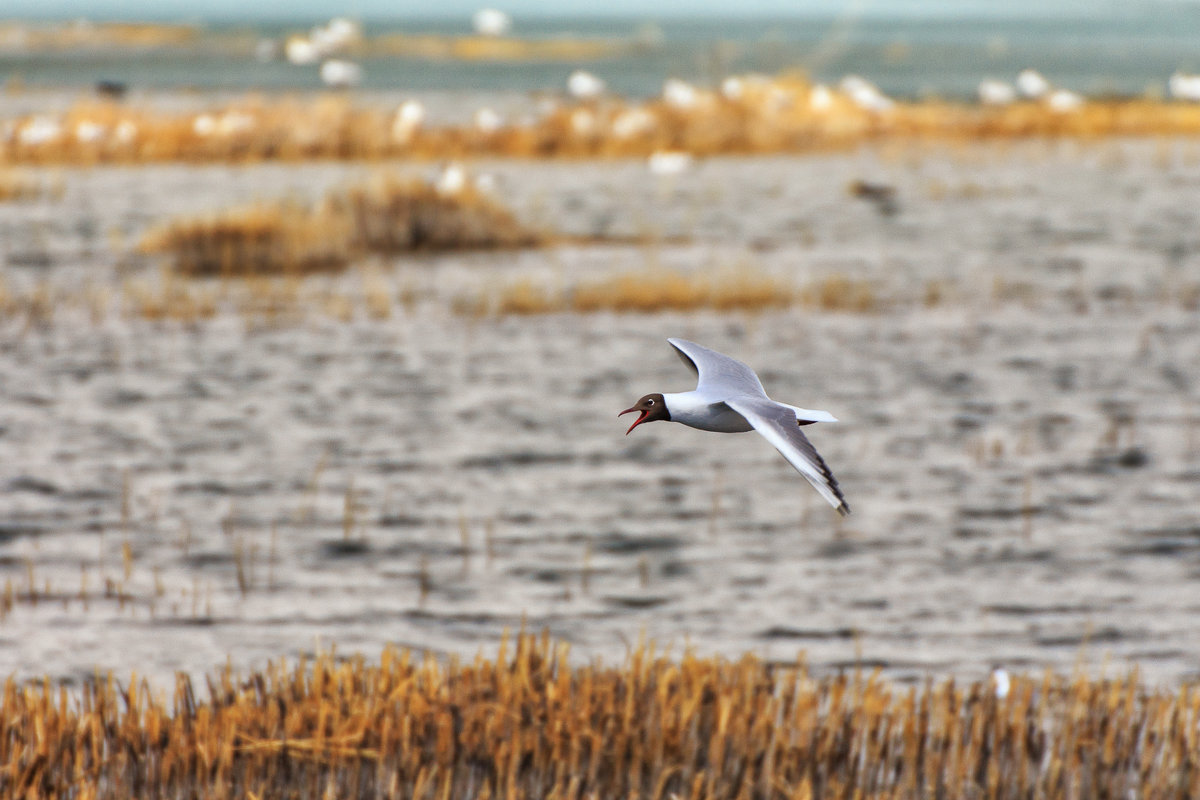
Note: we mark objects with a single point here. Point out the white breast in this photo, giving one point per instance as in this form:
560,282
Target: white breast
697,411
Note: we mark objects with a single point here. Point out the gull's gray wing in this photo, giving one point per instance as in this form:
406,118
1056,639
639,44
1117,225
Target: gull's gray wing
718,375
777,424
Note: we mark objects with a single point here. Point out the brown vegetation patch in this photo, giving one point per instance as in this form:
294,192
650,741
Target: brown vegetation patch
652,290
257,240
530,725
386,216
839,293
392,215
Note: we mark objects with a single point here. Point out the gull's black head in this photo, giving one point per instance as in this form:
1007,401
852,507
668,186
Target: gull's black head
652,407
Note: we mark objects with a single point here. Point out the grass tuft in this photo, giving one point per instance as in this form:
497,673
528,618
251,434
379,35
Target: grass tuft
386,216
395,215
256,240
656,289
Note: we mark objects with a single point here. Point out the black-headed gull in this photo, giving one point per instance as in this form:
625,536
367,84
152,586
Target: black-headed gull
729,398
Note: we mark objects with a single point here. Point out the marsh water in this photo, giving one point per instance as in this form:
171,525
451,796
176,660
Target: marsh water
911,50
1020,434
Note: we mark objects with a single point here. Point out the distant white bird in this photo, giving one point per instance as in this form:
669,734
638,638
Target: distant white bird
204,125
1064,100
336,36
88,131
340,33
821,98
739,87
339,74
729,398
452,180
487,120
584,85
865,94
300,51
1184,86
1032,84
996,93
1001,681
40,130
633,122
669,162
491,22
679,94
409,117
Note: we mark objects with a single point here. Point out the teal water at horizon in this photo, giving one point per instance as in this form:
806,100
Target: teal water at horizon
908,56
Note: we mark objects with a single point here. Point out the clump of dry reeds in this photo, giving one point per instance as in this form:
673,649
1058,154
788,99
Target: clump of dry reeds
392,215
530,725
387,216
257,240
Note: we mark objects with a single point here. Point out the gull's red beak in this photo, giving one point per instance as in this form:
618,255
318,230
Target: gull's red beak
639,421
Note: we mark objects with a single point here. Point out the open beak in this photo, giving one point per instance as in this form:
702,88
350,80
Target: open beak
639,421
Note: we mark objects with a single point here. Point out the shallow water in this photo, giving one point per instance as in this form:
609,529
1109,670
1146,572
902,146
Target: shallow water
1107,49
1022,458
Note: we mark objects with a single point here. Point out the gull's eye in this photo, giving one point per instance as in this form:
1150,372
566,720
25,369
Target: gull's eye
649,401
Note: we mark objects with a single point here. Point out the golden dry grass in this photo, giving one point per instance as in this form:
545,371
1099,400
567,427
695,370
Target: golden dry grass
257,240
745,288
393,215
529,725
783,114
840,293
490,48
387,216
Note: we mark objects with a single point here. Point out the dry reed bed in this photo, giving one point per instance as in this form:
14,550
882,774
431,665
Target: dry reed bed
784,114
745,288
530,725
387,216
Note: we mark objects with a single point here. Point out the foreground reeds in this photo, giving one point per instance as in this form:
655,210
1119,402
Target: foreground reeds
530,725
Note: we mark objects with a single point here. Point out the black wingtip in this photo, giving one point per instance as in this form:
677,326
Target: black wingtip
844,509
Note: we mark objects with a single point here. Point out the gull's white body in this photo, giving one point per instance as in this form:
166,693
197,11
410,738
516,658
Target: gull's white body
729,398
